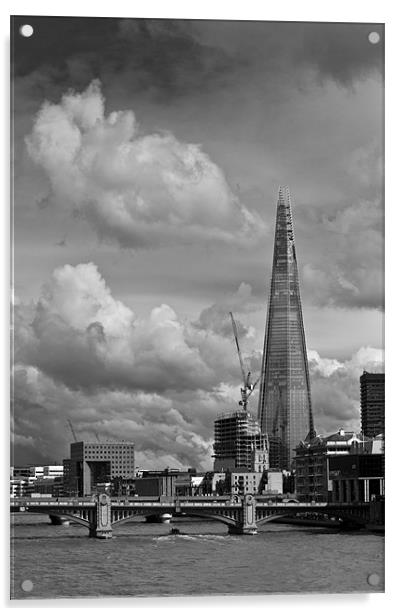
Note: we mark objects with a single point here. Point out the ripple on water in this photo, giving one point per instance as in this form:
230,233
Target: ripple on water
145,560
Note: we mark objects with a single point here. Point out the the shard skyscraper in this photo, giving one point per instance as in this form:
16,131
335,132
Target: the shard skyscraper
285,408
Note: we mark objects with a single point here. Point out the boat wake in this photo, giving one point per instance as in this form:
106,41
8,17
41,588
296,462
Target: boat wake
196,537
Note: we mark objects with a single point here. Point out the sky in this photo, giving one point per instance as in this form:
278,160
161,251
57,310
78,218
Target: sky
147,160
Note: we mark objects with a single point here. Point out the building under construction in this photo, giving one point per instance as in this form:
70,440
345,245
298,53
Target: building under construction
239,443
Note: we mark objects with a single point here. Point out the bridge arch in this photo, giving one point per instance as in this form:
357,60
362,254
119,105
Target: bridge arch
271,517
341,516
73,518
63,514
196,514
349,517
209,515
129,516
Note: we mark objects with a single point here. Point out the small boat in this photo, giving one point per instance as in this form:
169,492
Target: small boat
174,531
159,518
59,520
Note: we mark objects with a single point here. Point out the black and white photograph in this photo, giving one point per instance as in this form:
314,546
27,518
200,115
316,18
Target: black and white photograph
197,349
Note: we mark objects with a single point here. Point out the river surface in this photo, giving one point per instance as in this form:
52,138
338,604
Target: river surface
145,560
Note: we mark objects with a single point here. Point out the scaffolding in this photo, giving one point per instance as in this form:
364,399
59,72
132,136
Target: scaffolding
237,436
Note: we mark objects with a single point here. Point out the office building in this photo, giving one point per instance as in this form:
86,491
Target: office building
285,407
97,464
372,403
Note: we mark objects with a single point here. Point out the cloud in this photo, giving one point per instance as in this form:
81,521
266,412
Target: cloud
335,387
137,189
322,366
82,354
343,52
349,244
216,317
365,165
162,436
329,51
79,334
82,336
171,58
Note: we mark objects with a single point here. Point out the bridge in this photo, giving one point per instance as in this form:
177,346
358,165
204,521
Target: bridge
241,514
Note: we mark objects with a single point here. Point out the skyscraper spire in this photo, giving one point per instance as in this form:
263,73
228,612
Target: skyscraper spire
285,408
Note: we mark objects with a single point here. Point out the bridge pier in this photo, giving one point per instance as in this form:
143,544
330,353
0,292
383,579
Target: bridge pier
101,524
247,524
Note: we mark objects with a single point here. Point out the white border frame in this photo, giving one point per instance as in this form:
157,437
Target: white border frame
292,10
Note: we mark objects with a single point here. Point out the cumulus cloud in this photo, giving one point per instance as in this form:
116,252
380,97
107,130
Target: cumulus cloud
82,354
335,387
162,435
349,271
137,189
85,338
216,317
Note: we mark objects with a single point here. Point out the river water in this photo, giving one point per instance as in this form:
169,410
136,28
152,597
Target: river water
145,560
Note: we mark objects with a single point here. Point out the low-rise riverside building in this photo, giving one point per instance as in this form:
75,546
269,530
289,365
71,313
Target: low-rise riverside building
49,485
19,487
312,482
357,477
166,483
26,480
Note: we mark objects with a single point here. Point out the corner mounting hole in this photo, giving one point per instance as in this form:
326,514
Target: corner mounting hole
374,37
27,585
373,579
26,30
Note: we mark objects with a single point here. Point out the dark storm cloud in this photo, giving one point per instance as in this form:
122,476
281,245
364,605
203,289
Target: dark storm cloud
157,56
338,51
173,58
343,51
42,407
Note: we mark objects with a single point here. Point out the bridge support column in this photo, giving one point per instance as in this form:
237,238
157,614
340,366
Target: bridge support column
247,525
101,527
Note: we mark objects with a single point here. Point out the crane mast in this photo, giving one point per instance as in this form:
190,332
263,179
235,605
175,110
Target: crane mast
247,387
72,431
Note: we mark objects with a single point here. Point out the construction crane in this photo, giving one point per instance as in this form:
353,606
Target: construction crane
247,387
72,431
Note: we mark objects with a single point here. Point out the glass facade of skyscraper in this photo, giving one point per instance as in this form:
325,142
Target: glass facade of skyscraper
285,408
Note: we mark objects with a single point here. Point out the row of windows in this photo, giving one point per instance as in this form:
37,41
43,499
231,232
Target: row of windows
109,447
